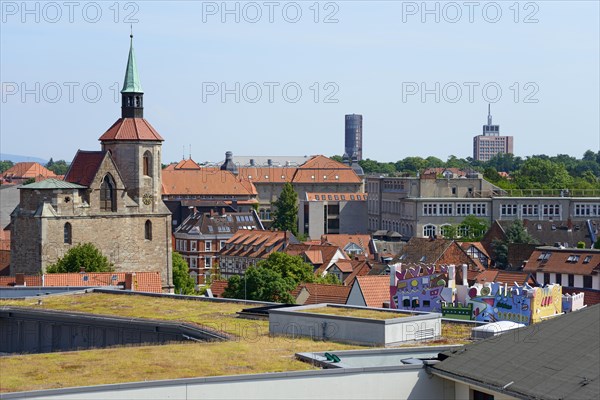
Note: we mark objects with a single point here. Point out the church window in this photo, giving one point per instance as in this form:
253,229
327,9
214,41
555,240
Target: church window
147,163
108,197
148,230
68,233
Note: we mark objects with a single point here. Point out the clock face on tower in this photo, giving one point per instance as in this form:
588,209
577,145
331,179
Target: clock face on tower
147,198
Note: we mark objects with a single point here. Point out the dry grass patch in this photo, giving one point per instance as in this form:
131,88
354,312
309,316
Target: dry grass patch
355,312
130,364
218,316
252,350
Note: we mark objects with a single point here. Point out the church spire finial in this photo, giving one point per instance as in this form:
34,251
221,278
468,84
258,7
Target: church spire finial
132,94
132,82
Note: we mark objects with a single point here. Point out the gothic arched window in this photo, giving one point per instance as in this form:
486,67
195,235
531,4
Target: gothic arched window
68,233
108,196
148,230
147,163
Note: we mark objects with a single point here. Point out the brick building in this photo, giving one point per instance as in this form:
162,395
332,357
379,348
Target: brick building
247,247
111,198
201,237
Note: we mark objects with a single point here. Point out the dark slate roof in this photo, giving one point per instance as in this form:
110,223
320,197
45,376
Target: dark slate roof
555,359
219,224
547,233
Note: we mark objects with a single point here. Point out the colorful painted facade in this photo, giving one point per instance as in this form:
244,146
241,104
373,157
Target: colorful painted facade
436,291
424,292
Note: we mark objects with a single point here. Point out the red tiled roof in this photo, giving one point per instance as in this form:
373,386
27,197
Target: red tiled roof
327,254
502,276
320,293
343,240
325,170
344,265
25,170
218,287
131,129
315,257
205,181
144,281
84,167
359,268
254,238
267,174
557,262
375,289
30,280
187,164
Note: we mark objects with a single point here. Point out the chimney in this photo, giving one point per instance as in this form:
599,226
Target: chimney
464,275
252,162
20,279
82,270
128,281
270,162
287,163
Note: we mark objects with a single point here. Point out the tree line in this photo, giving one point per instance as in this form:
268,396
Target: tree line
534,172
59,167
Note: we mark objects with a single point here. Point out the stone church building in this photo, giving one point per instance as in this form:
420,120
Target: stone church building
111,198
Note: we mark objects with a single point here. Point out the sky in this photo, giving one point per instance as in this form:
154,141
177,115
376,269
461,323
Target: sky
277,77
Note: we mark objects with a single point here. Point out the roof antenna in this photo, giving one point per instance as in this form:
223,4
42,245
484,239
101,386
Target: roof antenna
183,154
489,114
190,151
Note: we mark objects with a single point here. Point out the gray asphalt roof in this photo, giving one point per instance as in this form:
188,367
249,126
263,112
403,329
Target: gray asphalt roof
555,359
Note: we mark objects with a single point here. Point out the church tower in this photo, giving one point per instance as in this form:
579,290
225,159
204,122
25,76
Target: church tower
135,145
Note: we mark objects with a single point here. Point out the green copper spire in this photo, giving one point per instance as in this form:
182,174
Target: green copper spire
132,82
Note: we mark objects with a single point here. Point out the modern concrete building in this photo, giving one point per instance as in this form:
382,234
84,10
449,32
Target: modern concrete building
490,143
332,213
353,136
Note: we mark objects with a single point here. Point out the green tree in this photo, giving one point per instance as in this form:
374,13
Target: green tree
28,181
289,266
337,158
286,210
329,279
4,165
516,233
59,167
412,164
262,284
581,245
472,228
183,282
434,162
597,244
539,173
83,255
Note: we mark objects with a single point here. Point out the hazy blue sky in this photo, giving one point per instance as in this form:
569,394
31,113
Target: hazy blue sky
375,60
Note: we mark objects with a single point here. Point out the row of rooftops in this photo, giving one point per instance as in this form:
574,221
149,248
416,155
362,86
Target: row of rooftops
136,281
